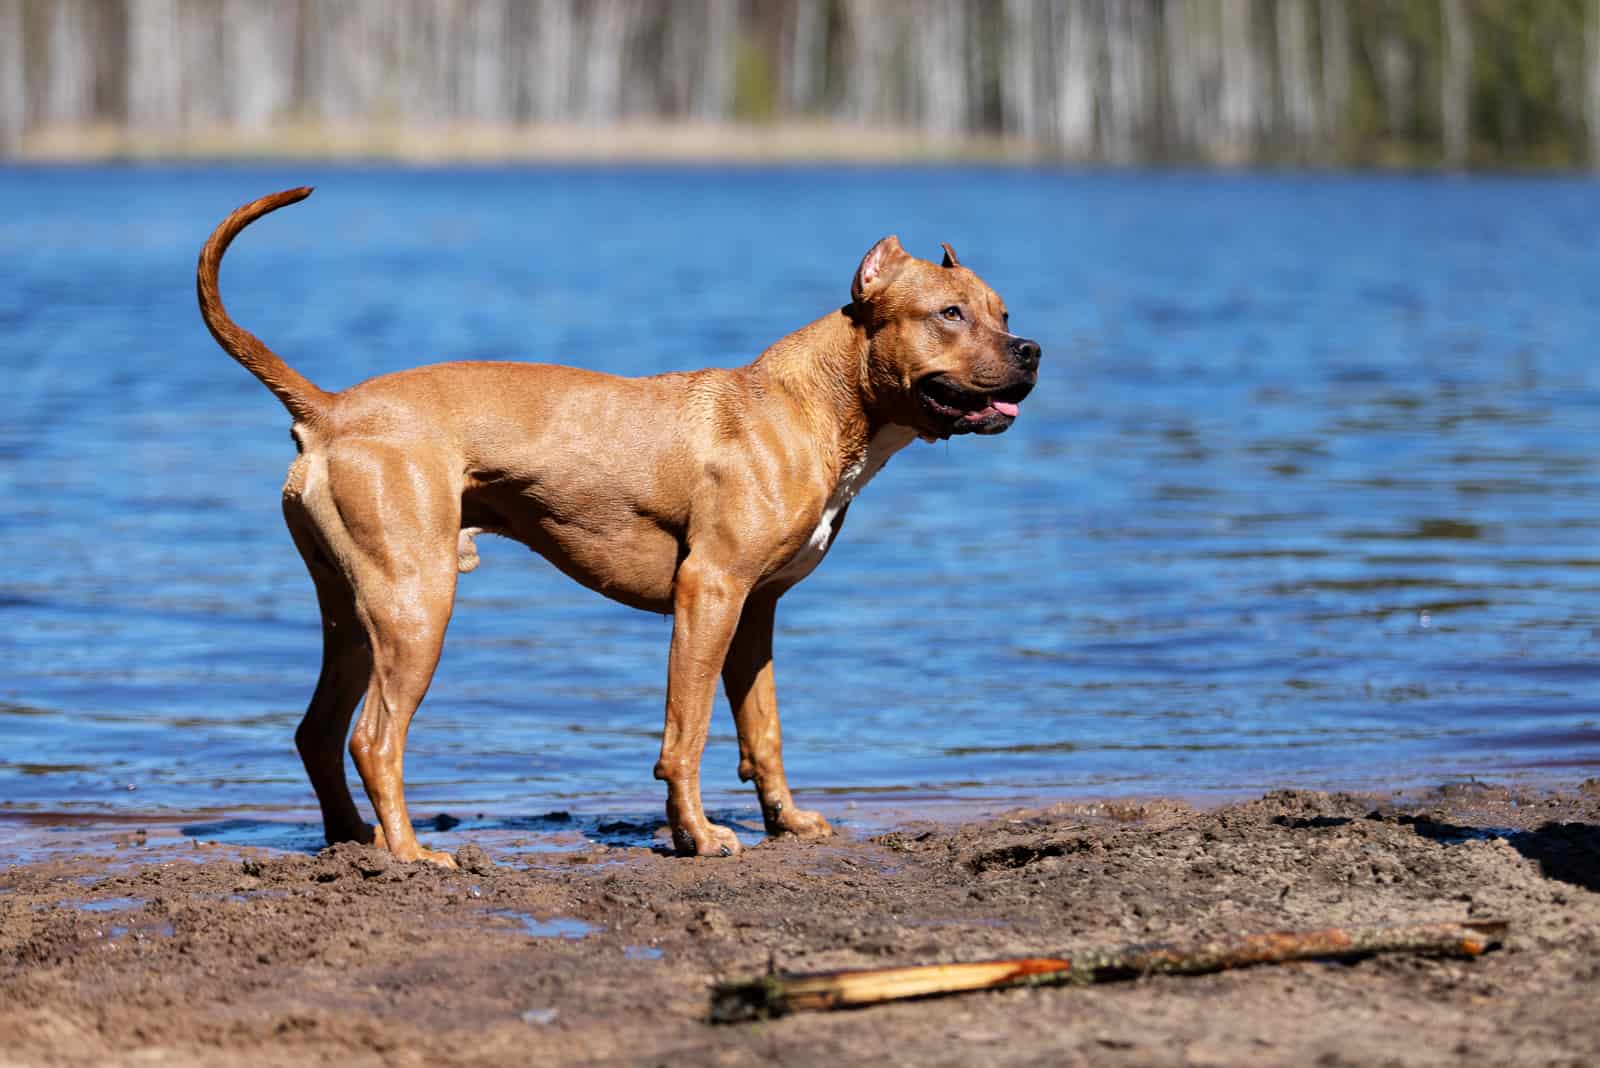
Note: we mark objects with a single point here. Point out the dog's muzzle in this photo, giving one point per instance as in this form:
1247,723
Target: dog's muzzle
960,409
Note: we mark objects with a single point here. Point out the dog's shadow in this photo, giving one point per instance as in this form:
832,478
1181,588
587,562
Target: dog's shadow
552,832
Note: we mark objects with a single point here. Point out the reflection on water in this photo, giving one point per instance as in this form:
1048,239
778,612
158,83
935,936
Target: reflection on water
1308,493
552,832
562,927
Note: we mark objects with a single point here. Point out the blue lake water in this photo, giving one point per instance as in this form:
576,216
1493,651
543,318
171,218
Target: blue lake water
1308,495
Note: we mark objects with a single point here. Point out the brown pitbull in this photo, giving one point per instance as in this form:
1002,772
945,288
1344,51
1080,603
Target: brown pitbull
703,495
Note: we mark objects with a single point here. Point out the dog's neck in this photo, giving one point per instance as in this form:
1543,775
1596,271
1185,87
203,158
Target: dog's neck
822,369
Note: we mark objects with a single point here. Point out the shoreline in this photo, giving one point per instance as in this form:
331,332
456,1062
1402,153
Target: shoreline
795,142
469,143
636,820
131,838
188,953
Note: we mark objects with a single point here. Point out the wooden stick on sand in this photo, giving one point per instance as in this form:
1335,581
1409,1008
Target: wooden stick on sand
775,995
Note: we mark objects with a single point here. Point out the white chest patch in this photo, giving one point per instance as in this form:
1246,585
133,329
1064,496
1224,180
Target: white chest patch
884,444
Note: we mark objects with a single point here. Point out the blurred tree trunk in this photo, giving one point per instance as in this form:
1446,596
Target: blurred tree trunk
1455,86
1395,71
13,83
869,61
1241,82
1297,89
1079,49
940,44
1129,79
807,60
1193,52
1592,98
1335,73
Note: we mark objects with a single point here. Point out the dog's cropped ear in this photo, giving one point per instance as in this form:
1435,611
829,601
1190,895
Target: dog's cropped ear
949,257
879,265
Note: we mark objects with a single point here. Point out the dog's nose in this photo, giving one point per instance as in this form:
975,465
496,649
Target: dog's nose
1025,353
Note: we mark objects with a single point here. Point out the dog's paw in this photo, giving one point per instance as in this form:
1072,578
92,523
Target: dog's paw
800,822
707,840
414,852
432,856
437,856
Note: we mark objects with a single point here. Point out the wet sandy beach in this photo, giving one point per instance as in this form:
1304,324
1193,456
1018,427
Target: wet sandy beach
173,951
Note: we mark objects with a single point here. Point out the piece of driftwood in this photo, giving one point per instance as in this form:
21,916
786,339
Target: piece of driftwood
776,995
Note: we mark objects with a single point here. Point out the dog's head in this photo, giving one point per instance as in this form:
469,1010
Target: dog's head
941,358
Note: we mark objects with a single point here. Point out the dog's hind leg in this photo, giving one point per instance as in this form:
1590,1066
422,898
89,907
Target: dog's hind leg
407,633
346,671
397,528
747,677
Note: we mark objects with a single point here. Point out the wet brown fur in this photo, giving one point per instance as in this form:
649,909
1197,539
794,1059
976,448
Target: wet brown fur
694,494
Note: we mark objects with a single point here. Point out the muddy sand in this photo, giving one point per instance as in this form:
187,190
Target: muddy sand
193,954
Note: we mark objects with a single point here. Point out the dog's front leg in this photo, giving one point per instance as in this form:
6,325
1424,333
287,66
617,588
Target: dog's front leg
747,676
707,601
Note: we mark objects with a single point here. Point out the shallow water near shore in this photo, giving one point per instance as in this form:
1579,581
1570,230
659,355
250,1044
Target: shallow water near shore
1308,494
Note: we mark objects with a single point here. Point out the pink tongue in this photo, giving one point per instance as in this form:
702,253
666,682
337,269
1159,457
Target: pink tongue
1003,407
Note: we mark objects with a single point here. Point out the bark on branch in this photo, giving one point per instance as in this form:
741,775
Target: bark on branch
776,995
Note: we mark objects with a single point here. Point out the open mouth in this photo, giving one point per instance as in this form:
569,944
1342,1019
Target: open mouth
969,411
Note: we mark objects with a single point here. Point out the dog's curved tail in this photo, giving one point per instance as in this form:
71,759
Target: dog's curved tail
303,399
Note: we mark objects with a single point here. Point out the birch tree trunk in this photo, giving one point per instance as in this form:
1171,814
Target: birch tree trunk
1241,82
1079,48
1335,73
807,59
1296,89
1394,76
1592,97
1019,88
480,72
1128,78
155,83
939,48
69,64
715,98
1455,86
13,77
869,60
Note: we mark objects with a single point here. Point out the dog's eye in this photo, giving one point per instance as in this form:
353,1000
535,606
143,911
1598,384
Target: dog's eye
952,314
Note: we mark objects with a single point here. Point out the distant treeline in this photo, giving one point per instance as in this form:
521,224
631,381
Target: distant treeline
1398,82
